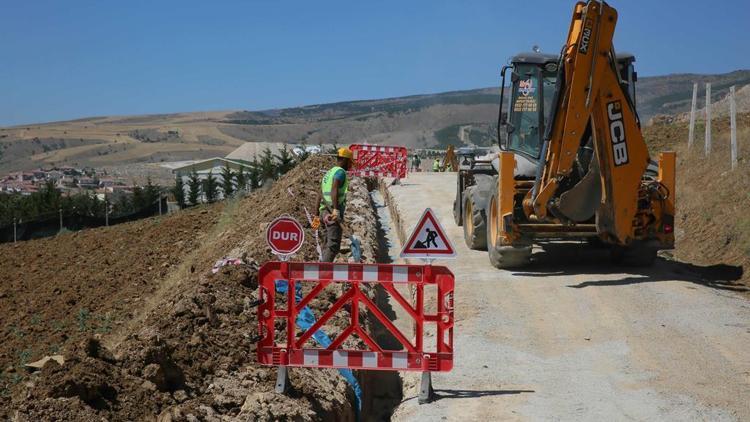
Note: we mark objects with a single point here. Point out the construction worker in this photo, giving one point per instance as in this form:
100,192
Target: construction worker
415,163
436,165
334,186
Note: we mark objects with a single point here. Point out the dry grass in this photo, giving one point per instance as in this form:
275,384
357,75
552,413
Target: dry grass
713,224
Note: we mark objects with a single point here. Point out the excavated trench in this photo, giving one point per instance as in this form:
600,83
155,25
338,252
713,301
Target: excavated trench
381,390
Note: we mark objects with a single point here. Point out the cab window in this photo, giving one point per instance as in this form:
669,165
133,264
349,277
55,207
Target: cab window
525,112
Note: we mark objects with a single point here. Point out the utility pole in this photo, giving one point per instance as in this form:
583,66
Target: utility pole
708,118
691,135
733,124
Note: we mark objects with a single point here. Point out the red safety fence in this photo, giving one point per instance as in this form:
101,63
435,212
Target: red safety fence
289,349
379,161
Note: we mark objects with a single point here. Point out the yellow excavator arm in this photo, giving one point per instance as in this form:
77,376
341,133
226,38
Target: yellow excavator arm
592,104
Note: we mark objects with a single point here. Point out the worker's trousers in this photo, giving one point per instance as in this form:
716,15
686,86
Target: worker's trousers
333,240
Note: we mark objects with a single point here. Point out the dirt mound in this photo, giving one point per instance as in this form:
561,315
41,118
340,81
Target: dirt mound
148,331
712,224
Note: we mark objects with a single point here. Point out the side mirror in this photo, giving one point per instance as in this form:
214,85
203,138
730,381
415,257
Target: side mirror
509,128
635,76
504,118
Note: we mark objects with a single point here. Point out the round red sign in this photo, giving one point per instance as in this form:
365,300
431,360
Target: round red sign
285,236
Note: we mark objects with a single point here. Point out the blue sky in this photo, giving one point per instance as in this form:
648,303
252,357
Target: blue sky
67,59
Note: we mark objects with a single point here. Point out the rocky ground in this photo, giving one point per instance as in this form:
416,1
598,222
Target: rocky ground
147,331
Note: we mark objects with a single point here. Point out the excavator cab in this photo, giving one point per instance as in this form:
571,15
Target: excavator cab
526,104
524,112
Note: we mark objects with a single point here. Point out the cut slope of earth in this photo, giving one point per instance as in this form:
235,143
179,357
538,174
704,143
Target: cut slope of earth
712,224
146,329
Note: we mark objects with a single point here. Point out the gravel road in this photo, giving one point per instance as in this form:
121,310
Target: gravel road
574,338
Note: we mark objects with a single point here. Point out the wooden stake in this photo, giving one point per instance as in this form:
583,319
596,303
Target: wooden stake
733,124
691,135
708,119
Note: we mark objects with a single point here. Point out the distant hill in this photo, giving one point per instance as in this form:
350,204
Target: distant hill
433,120
672,94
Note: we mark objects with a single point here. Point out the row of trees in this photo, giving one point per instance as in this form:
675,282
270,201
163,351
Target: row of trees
269,166
49,201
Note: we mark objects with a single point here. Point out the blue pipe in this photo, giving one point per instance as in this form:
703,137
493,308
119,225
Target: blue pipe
305,320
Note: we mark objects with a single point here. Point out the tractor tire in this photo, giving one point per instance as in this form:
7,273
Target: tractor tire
638,255
501,255
458,216
509,257
475,230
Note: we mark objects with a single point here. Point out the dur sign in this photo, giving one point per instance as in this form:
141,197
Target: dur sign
285,236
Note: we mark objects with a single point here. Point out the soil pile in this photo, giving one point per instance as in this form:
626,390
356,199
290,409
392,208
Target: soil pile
712,223
147,330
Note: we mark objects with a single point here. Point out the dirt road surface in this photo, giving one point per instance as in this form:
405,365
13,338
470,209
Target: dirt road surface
574,338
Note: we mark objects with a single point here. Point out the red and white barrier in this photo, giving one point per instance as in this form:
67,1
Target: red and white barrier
379,161
411,355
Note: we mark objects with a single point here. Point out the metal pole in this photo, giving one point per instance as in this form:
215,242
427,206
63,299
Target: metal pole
426,393
733,124
15,236
159,203
61,221
691,135
708,119
282,380
106,211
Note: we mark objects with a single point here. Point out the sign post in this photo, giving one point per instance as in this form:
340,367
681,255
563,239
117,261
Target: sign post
427,242
285,236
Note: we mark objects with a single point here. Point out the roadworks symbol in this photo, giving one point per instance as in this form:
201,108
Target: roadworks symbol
428,240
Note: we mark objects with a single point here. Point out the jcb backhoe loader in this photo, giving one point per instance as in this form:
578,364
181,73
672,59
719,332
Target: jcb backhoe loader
590,175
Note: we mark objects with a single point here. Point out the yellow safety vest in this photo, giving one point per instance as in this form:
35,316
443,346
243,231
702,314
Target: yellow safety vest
326,186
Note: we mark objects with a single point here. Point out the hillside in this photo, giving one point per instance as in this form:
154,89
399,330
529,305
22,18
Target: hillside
673,94
414,121
712,224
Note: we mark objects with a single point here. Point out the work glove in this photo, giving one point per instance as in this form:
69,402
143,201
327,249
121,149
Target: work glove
332,217
315,223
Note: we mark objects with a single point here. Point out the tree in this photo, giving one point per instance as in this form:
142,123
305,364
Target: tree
151,194
210,188
267,165
227,185
241,179
194,188
285,159
138,198
253,178
304,153
178,190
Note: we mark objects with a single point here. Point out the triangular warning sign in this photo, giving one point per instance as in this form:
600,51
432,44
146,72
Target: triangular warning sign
428,240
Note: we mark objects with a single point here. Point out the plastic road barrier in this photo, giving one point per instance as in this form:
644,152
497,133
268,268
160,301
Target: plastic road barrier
290,348
379,161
